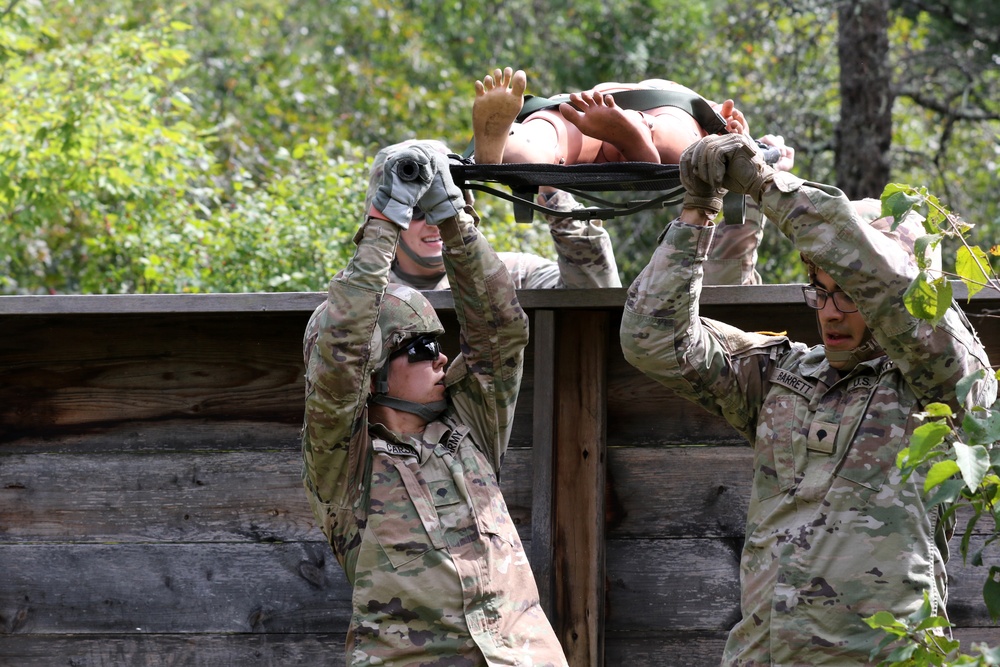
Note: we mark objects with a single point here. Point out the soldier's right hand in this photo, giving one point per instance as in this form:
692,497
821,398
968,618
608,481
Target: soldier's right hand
729,161
707,199
406,175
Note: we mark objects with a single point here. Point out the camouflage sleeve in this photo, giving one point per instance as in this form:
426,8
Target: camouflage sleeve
484,380
732,259
876,271
336,355
718,367
586,258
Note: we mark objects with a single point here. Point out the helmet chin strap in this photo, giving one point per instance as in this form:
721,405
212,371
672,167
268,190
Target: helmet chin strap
436,262
426,411
846,360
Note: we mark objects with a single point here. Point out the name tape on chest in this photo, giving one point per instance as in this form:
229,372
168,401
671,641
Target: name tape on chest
792,381
395,448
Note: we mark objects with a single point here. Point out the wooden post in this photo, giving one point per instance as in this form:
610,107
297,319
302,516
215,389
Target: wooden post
543,332
579,477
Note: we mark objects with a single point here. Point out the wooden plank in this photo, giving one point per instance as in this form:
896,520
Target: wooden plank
104,304
158,650
194,436
135,368
248,497
692,649
672,586
673,492
579,465
676,586
542,451
231,497
256,496
171,588
662,588
698,649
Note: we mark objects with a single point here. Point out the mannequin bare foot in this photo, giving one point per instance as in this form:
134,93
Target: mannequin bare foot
597,115
499,99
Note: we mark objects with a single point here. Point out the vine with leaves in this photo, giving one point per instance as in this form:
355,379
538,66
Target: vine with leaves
956,450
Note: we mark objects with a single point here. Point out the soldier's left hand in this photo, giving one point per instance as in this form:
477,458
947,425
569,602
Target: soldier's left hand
443,199
729,161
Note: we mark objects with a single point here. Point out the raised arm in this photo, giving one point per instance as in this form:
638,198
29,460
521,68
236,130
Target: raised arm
485,378
875,270
338,355
871,267
713,364
586,258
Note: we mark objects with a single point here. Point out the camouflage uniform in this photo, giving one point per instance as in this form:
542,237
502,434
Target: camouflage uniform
833,532
732,257
418,522
586,258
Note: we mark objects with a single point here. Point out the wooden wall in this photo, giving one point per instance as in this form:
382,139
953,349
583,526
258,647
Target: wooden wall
151,509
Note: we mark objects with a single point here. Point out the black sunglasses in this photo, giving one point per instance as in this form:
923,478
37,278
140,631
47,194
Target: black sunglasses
421,348
816,299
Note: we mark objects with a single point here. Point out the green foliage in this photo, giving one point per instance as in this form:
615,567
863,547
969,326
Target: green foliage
96,149
921,640
960,464
228,89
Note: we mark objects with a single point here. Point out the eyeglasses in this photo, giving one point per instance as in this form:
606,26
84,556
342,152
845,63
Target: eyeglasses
421,348
816,299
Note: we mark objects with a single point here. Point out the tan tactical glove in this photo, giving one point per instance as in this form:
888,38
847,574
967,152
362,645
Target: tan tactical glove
708,199
729,161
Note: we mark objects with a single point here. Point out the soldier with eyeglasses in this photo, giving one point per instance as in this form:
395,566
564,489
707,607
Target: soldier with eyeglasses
834,532
402,451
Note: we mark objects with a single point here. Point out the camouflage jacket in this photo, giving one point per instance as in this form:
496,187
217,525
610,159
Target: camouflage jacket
833,532
418,523
732,257
586,258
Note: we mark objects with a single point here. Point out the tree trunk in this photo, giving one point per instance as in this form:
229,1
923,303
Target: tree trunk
864,133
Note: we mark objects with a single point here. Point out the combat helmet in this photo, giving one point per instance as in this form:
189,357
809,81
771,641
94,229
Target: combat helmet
404,314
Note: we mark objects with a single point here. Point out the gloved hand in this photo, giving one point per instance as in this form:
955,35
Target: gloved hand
406,175
443,198
729,161
709,199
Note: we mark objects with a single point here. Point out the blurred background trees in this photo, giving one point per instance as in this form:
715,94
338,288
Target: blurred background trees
223,145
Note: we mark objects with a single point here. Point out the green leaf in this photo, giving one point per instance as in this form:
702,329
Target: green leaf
971,265
936,410
966,384
925,437
982,427
940,472
902,654
883,620
991,593
922,245
974,463
933,622
898,200
928,299
948,489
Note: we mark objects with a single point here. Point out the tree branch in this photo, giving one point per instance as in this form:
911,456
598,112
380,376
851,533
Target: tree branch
944,109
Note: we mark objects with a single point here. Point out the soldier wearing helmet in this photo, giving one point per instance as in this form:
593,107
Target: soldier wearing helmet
834,532
402,451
